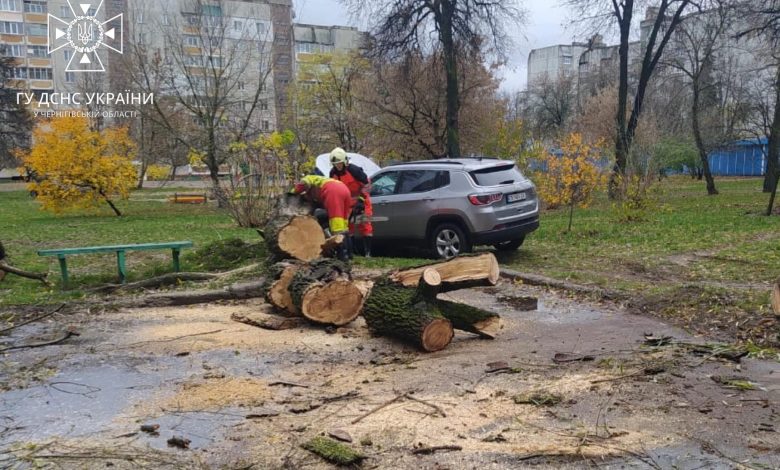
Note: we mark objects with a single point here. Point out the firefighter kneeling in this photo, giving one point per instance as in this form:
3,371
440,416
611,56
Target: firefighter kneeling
335,198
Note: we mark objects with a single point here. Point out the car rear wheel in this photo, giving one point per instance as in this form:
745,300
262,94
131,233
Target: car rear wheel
448,241
510,245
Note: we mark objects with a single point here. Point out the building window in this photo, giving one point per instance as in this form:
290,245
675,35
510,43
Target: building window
39,73
10,5
19,72
191,41
139,17
11,27
35,29
37,51
70,77
13,50
266,125
264,105
240,85
260,28
166,20
65,11
567,60
237,25
67,54
34,6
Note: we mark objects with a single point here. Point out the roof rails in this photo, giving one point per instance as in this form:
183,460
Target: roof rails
428,162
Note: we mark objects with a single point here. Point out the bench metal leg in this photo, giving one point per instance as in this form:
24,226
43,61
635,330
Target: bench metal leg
120,263
63,270
176,266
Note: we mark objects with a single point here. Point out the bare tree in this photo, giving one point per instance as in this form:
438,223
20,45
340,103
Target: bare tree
655,37
207,64
15,120
763,20
553,102
458,26
405,106
697,45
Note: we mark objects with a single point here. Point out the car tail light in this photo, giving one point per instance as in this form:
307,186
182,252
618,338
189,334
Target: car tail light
485,199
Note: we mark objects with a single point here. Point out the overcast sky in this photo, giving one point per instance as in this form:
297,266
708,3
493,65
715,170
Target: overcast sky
547,25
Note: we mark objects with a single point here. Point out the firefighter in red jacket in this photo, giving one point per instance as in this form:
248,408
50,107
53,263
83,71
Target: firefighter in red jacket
358,183
335,198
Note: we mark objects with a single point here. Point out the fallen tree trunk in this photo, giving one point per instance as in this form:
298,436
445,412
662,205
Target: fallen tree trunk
409,314
459,273
323,292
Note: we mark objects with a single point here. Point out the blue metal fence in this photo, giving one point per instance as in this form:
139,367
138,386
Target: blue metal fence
742,158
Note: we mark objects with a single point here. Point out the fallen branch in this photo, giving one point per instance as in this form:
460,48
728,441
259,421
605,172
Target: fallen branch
241,291
26,274
537,280
45,315
383,405
431,450
67,335
171,279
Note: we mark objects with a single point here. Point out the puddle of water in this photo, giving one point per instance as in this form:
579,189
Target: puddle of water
76,402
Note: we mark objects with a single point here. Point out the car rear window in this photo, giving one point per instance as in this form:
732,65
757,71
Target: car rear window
497,175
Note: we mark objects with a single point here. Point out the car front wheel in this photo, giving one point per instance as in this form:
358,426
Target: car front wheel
510,245
448,241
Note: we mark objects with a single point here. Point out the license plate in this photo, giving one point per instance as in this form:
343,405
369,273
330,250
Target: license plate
516,197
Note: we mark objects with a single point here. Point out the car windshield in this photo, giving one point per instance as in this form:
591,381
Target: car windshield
497,175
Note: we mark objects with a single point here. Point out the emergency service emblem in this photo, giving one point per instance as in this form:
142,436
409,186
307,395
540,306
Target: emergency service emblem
85,35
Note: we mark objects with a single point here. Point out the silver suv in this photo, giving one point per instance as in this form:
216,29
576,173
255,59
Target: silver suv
451,205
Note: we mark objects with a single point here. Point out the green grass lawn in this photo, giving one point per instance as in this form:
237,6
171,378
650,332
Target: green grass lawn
24,229
696,257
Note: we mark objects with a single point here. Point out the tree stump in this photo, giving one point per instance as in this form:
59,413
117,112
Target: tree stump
323,292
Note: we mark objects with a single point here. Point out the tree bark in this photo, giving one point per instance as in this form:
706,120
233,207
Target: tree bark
467,318
410,315
622,140
703,157
773,151
451,69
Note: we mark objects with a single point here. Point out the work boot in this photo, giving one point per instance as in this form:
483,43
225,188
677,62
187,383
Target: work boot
367,246
349,240
342,252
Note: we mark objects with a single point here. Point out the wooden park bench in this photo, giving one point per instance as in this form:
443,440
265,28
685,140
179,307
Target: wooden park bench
120,251
189,198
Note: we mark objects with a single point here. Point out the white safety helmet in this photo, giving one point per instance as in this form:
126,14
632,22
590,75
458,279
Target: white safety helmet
338,155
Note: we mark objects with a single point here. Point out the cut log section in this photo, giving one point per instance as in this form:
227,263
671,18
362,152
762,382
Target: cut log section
459,273
298,237
328,249
278,293
408,314
776,297
323,292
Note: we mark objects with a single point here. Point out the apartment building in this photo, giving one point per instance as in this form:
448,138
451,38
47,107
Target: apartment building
258,34
549,63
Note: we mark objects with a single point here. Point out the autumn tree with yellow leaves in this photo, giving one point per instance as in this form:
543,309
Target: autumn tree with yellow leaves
73,166
573,177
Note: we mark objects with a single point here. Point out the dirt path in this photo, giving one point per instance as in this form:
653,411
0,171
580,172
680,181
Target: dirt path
200,375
